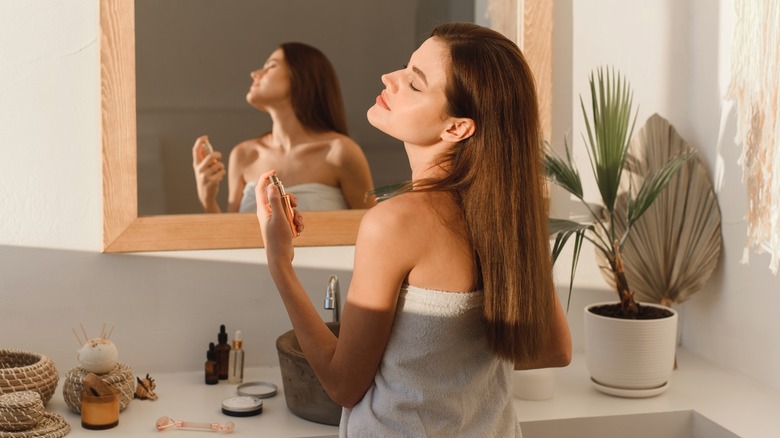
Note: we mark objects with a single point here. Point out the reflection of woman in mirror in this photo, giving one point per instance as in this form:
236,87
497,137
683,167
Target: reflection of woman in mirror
308,143
452,285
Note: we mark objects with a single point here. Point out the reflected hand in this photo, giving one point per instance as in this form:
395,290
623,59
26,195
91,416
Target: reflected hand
209,172
274,227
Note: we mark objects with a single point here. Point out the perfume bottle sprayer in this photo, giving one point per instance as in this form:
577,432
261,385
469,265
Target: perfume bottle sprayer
288,209
206,148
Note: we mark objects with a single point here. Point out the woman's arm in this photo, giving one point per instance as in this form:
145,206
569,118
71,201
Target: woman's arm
236,166
353,173
557,351
345,366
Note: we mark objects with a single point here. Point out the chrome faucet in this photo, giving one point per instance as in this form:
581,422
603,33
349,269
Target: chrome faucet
332,297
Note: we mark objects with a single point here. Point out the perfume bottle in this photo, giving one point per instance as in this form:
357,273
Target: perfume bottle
212,376
236,360
288,209
223,353
206,147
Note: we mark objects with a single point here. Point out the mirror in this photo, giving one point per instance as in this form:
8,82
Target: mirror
124,230
181,94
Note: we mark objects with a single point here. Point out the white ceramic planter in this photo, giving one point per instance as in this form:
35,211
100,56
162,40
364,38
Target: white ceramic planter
632,358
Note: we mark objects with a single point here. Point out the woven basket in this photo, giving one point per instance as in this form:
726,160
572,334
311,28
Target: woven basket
50,426
121,378
25,371
21,410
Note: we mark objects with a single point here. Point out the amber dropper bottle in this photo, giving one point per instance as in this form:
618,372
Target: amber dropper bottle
286,204
223,353
212,377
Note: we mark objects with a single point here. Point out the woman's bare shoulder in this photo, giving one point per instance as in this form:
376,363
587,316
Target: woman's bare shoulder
338,139
422,233
401,205
399,215
251,145
247,151
343,145
345,155
390,229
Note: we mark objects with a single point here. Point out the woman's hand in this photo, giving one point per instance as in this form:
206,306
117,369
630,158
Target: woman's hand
209,171
274,227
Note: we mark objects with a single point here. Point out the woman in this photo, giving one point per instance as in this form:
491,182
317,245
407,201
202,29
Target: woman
452,284
308,143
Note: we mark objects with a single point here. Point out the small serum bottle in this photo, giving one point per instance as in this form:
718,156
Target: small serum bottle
288,209
236,361
223,353
212,378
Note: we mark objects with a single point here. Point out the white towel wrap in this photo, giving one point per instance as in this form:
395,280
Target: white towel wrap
438,377
310,197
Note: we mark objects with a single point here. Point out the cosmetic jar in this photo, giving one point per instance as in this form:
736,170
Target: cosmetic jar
99,412
257,389
242,406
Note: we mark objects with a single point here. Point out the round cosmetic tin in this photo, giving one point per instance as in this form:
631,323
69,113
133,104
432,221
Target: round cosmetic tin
257,389
242,406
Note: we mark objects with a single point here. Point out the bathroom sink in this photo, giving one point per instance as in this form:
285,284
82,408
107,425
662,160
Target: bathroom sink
303,392
674,424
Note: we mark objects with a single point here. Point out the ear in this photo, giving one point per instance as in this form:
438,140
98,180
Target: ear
458,129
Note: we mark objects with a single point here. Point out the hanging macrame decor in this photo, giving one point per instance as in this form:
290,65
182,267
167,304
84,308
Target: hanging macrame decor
755,79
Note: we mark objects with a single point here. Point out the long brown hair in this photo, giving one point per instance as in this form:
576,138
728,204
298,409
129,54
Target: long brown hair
496,176
316,94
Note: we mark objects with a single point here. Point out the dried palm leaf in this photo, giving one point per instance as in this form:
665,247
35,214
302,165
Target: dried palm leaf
675,246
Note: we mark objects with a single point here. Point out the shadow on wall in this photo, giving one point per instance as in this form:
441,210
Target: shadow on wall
164,311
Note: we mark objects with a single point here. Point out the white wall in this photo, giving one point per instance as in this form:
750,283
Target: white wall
735,323
50,190
166,310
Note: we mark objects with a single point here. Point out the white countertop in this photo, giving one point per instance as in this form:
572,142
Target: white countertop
185,396
737,403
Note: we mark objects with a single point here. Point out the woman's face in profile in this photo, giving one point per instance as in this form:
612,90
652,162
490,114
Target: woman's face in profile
270,84
412,106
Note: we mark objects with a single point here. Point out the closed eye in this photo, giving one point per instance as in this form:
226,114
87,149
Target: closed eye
411,83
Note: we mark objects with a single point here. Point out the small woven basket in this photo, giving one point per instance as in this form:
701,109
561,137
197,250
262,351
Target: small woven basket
121,378
21,410
50,426
25,371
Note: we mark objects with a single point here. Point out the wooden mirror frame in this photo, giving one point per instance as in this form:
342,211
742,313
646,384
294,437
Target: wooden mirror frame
125,231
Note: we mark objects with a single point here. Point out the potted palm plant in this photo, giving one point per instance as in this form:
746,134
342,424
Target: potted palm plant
645,333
